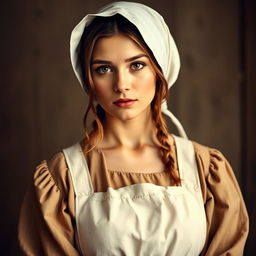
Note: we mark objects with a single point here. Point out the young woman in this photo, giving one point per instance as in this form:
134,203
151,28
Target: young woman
130,187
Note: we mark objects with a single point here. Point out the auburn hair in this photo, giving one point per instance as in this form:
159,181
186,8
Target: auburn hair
101,27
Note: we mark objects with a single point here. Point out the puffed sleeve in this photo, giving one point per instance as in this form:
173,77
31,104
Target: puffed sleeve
46,224
227,218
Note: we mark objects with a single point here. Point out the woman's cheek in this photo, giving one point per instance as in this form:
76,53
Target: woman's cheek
100,86
103,84
148,83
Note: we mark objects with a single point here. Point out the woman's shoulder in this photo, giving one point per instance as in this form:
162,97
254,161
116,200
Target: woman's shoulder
201,150
57,163
53,173
206,152
212,161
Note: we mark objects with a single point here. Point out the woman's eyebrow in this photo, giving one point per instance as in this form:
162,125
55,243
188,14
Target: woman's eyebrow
98,61
136,57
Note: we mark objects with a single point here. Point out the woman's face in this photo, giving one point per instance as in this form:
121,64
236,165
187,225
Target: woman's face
123,77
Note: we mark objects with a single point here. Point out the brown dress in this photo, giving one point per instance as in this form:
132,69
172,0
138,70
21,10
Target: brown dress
47,219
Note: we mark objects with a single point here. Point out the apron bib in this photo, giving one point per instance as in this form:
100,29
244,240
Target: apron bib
140,219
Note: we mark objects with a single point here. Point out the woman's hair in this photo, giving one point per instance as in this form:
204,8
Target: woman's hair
102,27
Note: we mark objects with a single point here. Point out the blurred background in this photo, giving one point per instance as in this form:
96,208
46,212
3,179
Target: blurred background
42,104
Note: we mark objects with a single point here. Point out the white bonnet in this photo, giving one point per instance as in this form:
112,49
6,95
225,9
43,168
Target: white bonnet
155,33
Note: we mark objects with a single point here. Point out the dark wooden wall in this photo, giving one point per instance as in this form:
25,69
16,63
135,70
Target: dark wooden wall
248,115
42,104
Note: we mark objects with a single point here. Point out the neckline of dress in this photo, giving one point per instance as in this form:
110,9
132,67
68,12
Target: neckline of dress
125,172
137,173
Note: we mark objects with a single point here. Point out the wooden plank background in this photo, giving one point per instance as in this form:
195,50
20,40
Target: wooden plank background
42,105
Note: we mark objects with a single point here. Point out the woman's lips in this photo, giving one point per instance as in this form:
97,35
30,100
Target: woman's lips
124,102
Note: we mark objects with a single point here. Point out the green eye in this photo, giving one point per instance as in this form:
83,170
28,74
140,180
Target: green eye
137,65
103,69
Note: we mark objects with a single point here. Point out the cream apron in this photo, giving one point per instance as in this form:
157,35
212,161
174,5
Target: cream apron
141,219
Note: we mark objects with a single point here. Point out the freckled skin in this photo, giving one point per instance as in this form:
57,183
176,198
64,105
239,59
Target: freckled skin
114,77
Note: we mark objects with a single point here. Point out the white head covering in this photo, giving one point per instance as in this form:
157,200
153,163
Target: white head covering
155,33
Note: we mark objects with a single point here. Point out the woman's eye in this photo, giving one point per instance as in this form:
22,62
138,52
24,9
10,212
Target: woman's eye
103,70
137,65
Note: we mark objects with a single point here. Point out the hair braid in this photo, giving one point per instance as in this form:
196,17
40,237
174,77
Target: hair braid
162,135
97,131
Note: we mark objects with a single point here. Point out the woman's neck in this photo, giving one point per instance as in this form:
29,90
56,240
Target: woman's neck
132,134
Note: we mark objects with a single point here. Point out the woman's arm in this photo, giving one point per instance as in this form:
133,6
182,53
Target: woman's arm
227,218
46,224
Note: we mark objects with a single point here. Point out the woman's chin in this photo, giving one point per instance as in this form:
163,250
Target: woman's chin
129,116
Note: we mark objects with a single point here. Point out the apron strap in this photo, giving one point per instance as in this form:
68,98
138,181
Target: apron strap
187,161
79,170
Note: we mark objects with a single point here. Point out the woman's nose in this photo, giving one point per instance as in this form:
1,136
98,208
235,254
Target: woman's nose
122,82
